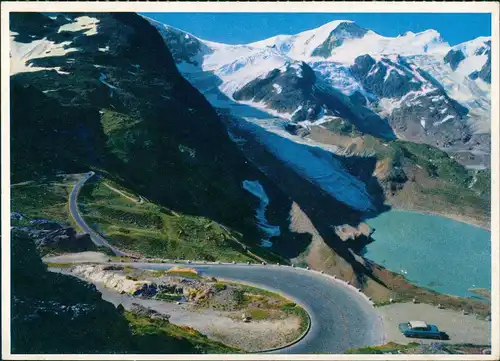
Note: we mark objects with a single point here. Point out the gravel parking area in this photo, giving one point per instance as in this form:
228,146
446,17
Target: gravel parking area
218,325
461,328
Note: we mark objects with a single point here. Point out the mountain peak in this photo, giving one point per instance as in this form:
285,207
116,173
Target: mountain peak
332,25
338,32
315,42
429,33
337,26
470,47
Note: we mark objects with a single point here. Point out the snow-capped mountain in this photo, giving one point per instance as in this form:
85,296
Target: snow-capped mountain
342,41
414,86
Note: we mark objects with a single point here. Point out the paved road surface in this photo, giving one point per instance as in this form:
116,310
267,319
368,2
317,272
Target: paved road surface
341,318
73,208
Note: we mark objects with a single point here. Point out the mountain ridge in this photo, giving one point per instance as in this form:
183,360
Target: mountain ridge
128,111
403,77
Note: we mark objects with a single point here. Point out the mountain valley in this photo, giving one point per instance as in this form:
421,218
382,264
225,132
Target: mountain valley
277,151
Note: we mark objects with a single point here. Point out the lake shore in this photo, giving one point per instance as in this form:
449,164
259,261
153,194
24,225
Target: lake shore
456,217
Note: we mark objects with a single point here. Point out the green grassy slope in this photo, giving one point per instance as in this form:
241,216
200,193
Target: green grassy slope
421,176
45,198
452,181
153,230
131,223
420,348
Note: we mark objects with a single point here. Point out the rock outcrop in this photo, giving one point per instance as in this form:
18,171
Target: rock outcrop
454,57
50,235
110,279
347,232
148,312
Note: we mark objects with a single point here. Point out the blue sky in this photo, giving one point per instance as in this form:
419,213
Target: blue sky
240,28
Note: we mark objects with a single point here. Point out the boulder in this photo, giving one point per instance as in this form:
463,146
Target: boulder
49,234
146,290
148,312
167,288
245,318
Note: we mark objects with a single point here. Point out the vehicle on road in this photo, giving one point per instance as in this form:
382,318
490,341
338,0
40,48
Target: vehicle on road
420,329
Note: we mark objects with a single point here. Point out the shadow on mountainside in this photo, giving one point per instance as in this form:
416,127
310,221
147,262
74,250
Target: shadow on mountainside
129,113
324,211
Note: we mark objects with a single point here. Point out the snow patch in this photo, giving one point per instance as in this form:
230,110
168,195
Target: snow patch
373,70
263,107
445,119
392,69
255,188
103,78
437,98
422,122
388,105
299,108
21,53
338,77
298,69
278,88
474,94
82,23
474,180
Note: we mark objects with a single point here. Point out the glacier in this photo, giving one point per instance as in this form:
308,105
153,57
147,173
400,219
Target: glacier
313,163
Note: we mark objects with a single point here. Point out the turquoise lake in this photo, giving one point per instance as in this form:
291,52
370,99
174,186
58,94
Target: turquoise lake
432,251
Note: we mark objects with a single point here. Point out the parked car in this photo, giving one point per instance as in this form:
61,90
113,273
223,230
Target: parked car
420,329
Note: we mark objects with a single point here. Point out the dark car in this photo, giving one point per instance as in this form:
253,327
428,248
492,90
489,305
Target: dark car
420,329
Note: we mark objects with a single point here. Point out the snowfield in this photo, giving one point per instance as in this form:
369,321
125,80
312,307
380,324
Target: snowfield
21,53
234,66
82,23
257,190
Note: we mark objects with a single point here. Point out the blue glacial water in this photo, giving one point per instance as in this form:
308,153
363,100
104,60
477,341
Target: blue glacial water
432,251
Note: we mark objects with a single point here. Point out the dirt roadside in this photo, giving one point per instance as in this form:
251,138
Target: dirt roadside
461,328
